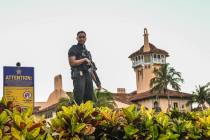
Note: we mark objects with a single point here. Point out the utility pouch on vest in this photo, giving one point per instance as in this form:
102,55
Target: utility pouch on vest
75,73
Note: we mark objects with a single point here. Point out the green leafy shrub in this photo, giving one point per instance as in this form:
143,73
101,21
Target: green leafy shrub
131,123
21,125
86,122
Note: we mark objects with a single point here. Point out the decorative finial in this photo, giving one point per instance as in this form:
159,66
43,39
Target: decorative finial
145,31
146,41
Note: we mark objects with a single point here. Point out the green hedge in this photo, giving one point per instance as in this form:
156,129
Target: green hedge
86,122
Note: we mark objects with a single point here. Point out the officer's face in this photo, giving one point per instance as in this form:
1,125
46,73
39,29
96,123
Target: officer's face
81,38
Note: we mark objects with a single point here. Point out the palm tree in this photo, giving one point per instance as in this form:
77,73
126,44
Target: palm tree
165,76
104,98
201,95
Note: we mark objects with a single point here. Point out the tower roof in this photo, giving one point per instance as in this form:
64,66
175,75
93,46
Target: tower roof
153,49
148,47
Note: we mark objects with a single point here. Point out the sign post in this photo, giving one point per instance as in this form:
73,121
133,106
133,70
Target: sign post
19,86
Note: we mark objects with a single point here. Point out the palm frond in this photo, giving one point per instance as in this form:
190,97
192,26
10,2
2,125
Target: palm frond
165,76
201,95
104,98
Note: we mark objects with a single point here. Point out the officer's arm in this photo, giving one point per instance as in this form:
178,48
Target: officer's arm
74,62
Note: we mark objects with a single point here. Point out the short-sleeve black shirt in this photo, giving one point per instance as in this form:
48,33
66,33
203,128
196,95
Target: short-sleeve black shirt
78,51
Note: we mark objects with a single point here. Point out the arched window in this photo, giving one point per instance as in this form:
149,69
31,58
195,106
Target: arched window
156,106
175,105
139,58
155,56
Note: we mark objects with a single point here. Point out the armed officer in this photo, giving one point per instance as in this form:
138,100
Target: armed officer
83,70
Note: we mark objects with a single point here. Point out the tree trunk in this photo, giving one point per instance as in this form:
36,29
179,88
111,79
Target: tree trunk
157,99
165,92
179,105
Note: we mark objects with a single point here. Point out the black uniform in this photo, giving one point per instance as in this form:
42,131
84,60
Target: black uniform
82,80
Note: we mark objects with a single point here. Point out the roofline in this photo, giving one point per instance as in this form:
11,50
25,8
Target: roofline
149,52
165,97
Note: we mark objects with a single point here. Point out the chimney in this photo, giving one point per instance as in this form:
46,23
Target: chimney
146,41
121,90
58,82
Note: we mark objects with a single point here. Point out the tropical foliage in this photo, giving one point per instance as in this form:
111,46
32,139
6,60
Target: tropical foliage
101,98
201,96
66,101
21,125
86,122
165,76
104,98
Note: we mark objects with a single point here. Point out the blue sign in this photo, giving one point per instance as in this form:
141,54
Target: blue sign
19,86
19,76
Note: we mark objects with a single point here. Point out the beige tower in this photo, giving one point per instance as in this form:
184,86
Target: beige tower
144,61
58,83
57,93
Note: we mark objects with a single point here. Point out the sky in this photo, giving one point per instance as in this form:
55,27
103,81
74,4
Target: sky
39,33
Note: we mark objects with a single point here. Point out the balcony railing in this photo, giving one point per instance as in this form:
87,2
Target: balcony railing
159,61
156,61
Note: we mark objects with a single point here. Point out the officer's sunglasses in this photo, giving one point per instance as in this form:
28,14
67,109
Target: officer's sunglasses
82,36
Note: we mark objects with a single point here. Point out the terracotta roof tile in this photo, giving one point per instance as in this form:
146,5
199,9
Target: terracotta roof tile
153,49
148,94
123,97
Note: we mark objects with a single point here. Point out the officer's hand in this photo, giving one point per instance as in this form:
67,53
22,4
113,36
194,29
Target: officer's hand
99,87
87,60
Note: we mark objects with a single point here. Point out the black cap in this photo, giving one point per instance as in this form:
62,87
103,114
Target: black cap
18,64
